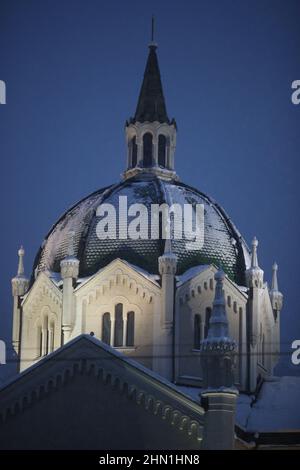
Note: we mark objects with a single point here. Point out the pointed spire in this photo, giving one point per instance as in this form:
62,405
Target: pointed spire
151,147
274,277
218,325
218,345
21,253
254,260
151,104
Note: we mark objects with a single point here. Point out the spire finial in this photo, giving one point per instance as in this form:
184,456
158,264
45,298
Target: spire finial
71,239
274,277
152,29
21,253
254,260
152,42
168,246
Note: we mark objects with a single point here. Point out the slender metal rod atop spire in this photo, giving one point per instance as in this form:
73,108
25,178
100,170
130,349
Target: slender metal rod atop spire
152,28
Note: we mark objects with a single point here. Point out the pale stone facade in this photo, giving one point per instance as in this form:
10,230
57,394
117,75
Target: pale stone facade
158,318
53,311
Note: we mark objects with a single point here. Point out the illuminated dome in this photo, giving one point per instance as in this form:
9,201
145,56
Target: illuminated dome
223,244
150,178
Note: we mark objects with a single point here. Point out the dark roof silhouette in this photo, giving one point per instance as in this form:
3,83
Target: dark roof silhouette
151,104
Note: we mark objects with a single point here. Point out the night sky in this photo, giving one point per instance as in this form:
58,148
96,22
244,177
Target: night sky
73,71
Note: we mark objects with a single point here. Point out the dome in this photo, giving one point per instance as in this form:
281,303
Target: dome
223,245
150,178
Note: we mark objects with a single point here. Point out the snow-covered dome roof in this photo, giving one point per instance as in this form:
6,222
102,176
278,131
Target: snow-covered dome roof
223,245
150,178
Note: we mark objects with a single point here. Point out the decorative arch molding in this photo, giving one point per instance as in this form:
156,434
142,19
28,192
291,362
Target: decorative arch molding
46,311
148,130
43,290
200,287
121,279
162,409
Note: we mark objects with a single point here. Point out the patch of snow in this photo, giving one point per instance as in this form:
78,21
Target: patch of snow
243,409
191,273
143,272
277,407
55,277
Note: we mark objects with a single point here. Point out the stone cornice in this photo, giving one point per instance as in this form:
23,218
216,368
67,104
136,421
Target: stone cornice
89,357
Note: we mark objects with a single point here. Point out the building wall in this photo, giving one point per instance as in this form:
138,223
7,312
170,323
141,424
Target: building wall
194,298
42,318
135,295
40,321
133,299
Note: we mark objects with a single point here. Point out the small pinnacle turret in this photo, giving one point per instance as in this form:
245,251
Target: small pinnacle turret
217,350
275,295
21,254
20,282
254,260
254,275
274,277
19,285
168,261
70,264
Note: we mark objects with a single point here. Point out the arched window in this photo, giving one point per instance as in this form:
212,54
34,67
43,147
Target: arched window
162,150
130,329
118,339
207,319
106,328
133,152
148,149
197,331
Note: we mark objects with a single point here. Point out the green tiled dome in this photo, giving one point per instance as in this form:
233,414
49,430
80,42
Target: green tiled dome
223,245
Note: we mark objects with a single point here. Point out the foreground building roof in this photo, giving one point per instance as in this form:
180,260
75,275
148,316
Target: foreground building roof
73,379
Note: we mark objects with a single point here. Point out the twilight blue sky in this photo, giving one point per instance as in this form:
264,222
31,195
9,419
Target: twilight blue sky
73,69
